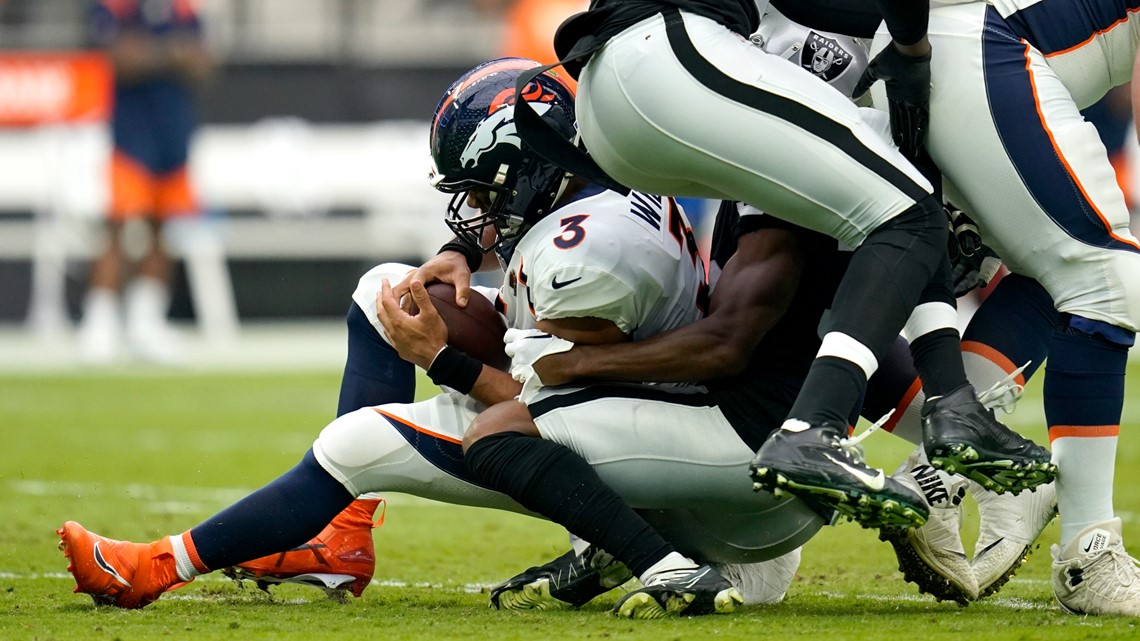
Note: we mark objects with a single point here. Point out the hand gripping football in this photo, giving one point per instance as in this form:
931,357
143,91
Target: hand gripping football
477,330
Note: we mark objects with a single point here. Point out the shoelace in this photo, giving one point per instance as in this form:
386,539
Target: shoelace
1125,569
1005,393
851,444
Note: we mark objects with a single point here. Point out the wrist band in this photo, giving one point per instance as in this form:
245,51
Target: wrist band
453,368
473,255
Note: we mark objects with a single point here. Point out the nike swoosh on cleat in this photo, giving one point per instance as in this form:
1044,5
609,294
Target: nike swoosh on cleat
875,482
693,581
107,567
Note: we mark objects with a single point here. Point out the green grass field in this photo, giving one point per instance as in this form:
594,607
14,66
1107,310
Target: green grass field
137,456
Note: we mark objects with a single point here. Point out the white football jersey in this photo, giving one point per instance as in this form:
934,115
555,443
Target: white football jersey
629,259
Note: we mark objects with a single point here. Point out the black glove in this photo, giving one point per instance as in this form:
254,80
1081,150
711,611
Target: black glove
908,94
974,264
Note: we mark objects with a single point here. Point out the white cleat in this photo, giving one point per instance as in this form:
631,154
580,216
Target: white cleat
932,556
1095,575
762,583
1007,530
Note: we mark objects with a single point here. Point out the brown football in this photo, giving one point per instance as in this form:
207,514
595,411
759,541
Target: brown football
477,329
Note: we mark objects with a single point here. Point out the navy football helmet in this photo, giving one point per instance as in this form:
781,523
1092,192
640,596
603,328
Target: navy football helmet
474,146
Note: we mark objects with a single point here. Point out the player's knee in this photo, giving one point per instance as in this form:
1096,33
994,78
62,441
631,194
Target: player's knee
369,285
508,416
394,272
923,222
355,441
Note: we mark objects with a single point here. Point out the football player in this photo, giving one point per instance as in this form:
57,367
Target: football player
616,266
1036,178
160,61
675,99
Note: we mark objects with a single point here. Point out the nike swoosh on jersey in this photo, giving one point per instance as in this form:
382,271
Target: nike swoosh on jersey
557,285
873,481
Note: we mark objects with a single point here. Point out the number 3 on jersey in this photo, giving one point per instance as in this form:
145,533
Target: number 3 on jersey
572,231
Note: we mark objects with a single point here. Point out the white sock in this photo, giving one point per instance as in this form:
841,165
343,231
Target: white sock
186,569
1086,466
660,570
147,302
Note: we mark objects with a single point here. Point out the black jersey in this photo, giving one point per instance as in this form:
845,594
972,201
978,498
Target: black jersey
757,400
741,16
607,18
858,18
906,19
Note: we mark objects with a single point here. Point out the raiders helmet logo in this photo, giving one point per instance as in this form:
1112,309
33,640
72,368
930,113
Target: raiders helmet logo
824,57
498,129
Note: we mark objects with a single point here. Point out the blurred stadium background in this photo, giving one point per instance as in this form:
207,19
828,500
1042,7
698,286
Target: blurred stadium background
310,162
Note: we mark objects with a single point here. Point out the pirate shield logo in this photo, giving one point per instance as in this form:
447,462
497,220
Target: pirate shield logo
824,57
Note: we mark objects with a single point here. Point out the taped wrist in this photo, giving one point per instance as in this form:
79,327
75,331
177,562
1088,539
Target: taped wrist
453,368
472,254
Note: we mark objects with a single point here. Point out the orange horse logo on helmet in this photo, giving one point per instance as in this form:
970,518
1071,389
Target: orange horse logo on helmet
533,92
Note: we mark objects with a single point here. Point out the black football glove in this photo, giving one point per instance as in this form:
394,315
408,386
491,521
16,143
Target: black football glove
907,79
974,265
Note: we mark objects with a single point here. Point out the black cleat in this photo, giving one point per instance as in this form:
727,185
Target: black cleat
963,437
811,463
570,580
687,593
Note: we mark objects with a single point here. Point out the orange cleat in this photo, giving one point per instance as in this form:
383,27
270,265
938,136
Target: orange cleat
119,573
342,557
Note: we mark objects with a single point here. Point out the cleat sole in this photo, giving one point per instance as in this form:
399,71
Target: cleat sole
866,509
336,586
915,570
1001,475
1000,582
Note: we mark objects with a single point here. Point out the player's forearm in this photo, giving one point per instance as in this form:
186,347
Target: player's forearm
691,353
494,386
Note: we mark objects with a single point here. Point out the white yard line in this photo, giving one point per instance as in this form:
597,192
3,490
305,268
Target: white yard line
169,495
477,588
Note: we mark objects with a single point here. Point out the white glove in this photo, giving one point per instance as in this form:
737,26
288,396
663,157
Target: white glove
526,347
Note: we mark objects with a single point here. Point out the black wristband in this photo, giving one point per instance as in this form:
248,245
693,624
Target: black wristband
455,369
472,254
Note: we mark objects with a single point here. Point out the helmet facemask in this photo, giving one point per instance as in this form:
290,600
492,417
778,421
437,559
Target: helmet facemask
512,212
